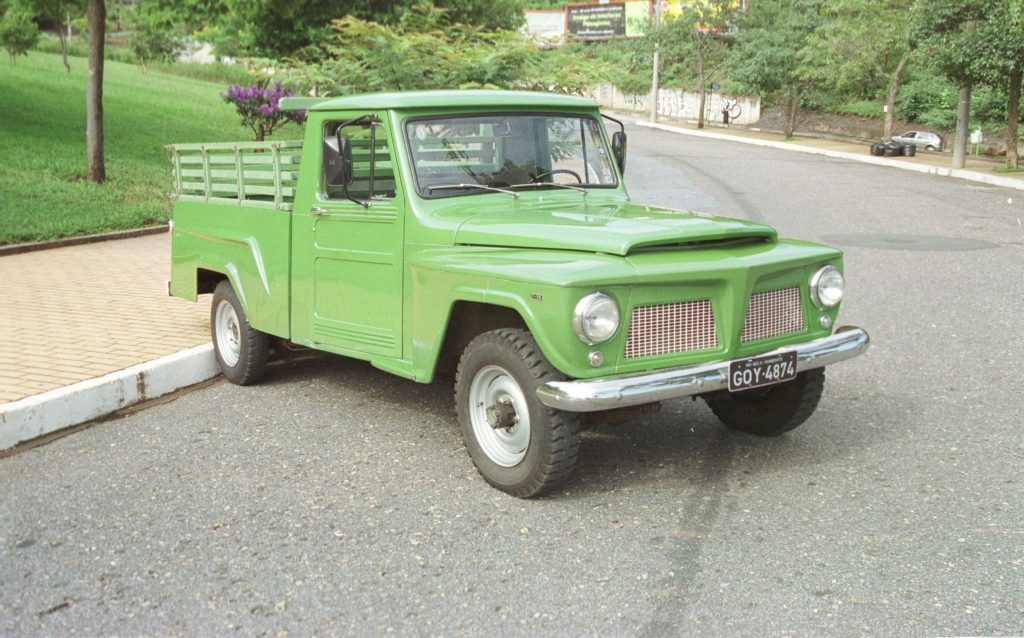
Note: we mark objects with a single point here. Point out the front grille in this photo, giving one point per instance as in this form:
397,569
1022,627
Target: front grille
671,327
773,313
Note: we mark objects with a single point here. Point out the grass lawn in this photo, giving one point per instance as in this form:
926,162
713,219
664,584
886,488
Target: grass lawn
42,145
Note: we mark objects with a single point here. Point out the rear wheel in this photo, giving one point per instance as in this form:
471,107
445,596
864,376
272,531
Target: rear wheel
773,410
929,148
518,444
242,351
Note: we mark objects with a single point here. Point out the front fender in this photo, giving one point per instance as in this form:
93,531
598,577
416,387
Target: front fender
543,287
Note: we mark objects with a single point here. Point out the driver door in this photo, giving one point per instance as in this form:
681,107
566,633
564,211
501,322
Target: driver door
348,250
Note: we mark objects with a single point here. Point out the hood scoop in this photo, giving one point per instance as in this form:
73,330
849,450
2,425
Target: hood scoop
614,229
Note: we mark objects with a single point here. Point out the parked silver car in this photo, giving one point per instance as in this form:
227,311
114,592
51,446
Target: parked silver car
920,139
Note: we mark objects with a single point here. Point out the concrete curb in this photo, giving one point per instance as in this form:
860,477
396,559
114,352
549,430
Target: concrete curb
974,176
16,249
41,414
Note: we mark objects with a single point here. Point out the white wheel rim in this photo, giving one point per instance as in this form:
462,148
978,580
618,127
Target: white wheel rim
505,446
228,333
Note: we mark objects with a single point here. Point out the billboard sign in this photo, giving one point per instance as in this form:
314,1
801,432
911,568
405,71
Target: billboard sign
605,20
596,21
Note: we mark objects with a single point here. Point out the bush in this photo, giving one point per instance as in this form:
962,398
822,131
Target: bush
259,107
18,33
424,52
214,72
861,108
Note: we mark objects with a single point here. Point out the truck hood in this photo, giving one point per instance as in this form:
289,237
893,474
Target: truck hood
615,229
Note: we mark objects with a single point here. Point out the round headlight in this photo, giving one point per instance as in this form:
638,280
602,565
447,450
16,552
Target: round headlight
596,318
827,287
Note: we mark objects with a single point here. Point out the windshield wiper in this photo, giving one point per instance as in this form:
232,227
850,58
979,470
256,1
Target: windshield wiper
431,189
540,184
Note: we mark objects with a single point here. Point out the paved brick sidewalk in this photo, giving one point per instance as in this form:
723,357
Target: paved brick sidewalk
75,313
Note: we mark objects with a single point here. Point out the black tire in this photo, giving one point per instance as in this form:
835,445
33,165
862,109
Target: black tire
909,150
929,148
242,351
504,368
877,149
770,411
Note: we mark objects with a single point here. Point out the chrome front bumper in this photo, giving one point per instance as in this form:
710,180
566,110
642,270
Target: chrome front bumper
591,395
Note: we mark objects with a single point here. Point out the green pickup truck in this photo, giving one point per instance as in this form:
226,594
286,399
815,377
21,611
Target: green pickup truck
488,235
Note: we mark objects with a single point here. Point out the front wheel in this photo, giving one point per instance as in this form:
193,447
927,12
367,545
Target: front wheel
773,410
242,351
518,444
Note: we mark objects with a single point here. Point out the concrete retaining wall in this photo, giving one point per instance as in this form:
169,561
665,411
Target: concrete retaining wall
676,104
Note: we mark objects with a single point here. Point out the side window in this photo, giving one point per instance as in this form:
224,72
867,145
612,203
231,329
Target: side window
373,175
578,153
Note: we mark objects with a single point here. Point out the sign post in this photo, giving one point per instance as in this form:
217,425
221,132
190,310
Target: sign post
657,45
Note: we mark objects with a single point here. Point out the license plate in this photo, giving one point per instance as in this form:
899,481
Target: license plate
757,372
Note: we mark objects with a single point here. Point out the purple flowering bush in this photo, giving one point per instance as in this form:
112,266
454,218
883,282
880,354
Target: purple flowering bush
259,107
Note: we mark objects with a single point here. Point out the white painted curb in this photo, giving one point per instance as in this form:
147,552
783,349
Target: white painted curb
959,173
41,414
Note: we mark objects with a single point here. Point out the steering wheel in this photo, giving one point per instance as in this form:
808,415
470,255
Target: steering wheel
556,171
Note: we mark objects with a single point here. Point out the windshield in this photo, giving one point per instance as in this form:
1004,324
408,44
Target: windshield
460,155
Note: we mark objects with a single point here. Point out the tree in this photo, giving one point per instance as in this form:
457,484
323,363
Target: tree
860,44
771,56
96,15
1001,61
696,41
56,14
947,29
18,32
283,28
155,35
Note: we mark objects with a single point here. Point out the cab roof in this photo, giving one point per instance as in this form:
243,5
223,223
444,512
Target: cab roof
436,99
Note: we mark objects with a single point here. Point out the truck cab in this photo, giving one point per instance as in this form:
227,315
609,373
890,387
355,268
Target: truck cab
489,234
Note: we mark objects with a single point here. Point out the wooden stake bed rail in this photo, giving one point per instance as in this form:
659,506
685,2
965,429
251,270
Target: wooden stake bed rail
244,173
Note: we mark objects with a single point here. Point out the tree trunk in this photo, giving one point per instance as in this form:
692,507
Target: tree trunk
890,101
1013,118
96,16
963,116
700,110
792,105
63,48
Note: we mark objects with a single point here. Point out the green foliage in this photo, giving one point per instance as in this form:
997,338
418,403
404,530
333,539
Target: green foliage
627,62
18,32
858,46
427,52
860,108
214,72
283,28
79,48
42,133
771,56
156,35
932,100
941,27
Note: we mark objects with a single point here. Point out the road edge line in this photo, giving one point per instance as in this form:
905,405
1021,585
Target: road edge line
41,414
941,171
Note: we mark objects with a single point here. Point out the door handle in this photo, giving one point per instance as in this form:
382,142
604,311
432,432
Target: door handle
317,210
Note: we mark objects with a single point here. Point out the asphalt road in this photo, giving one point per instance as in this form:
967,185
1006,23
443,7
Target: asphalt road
335,499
